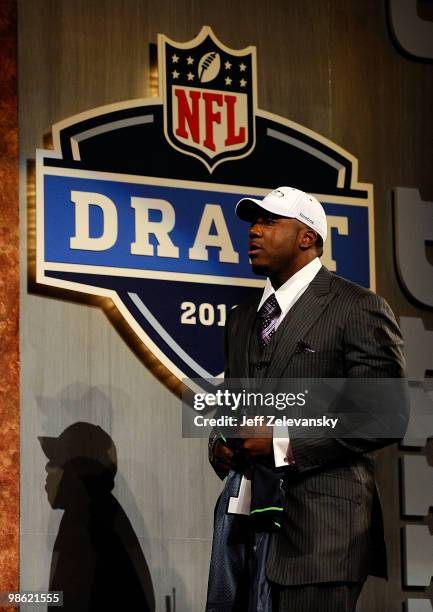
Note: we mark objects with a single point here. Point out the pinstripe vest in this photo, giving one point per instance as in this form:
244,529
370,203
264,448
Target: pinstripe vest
258,359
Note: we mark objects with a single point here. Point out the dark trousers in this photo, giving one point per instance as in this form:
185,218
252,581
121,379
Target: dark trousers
326,597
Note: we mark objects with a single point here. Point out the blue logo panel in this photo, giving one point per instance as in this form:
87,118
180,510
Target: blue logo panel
188,206
136,203
344,247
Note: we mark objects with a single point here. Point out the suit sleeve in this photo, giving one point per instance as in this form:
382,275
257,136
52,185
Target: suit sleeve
214,436
373,349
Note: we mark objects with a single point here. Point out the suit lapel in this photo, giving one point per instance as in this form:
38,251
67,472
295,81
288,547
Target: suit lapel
244,330
298,321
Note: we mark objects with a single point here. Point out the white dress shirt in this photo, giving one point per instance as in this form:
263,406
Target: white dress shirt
286,295
290,292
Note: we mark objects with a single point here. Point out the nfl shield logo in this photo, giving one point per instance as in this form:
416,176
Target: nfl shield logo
209,95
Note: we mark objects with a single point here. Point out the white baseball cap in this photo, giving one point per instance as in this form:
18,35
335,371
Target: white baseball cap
287,202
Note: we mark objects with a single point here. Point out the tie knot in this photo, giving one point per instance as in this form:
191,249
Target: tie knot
270,308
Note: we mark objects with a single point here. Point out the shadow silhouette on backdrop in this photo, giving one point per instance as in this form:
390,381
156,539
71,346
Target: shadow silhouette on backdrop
97,560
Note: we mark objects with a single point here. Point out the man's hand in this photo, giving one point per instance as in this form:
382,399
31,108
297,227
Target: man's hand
257,447
257,441
243,448
223,456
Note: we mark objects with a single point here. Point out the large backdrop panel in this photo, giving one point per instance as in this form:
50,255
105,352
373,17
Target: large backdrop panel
345,103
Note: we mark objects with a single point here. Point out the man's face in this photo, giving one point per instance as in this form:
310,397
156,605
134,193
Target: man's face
273,243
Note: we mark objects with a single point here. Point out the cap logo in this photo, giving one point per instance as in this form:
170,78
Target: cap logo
306,218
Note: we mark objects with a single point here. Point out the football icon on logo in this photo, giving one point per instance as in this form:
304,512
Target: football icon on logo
209,66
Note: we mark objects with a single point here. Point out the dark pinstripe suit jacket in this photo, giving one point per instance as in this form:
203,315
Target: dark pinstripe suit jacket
333,530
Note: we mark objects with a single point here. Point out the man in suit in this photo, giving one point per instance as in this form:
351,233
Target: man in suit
308,323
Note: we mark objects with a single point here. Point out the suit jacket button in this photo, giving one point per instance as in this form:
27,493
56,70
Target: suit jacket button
259,365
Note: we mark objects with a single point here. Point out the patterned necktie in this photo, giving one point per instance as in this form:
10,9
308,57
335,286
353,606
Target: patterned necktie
269,314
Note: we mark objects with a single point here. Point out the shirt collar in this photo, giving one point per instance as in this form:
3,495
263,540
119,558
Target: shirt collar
292,286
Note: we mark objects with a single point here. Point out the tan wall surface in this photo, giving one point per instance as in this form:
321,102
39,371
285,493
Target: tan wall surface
9,301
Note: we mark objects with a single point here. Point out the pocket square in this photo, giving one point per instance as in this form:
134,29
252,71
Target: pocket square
304,347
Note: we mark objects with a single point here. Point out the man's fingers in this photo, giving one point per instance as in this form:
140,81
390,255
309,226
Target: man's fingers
222,451
224,465
223,455
256,431
245,432
256,447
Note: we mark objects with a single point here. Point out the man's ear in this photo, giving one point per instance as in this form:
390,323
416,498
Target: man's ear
308,238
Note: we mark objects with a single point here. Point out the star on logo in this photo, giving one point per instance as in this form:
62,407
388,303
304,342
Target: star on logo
175,74
228,81
242,82
227,65
174,58
189,60
190,76
242,67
